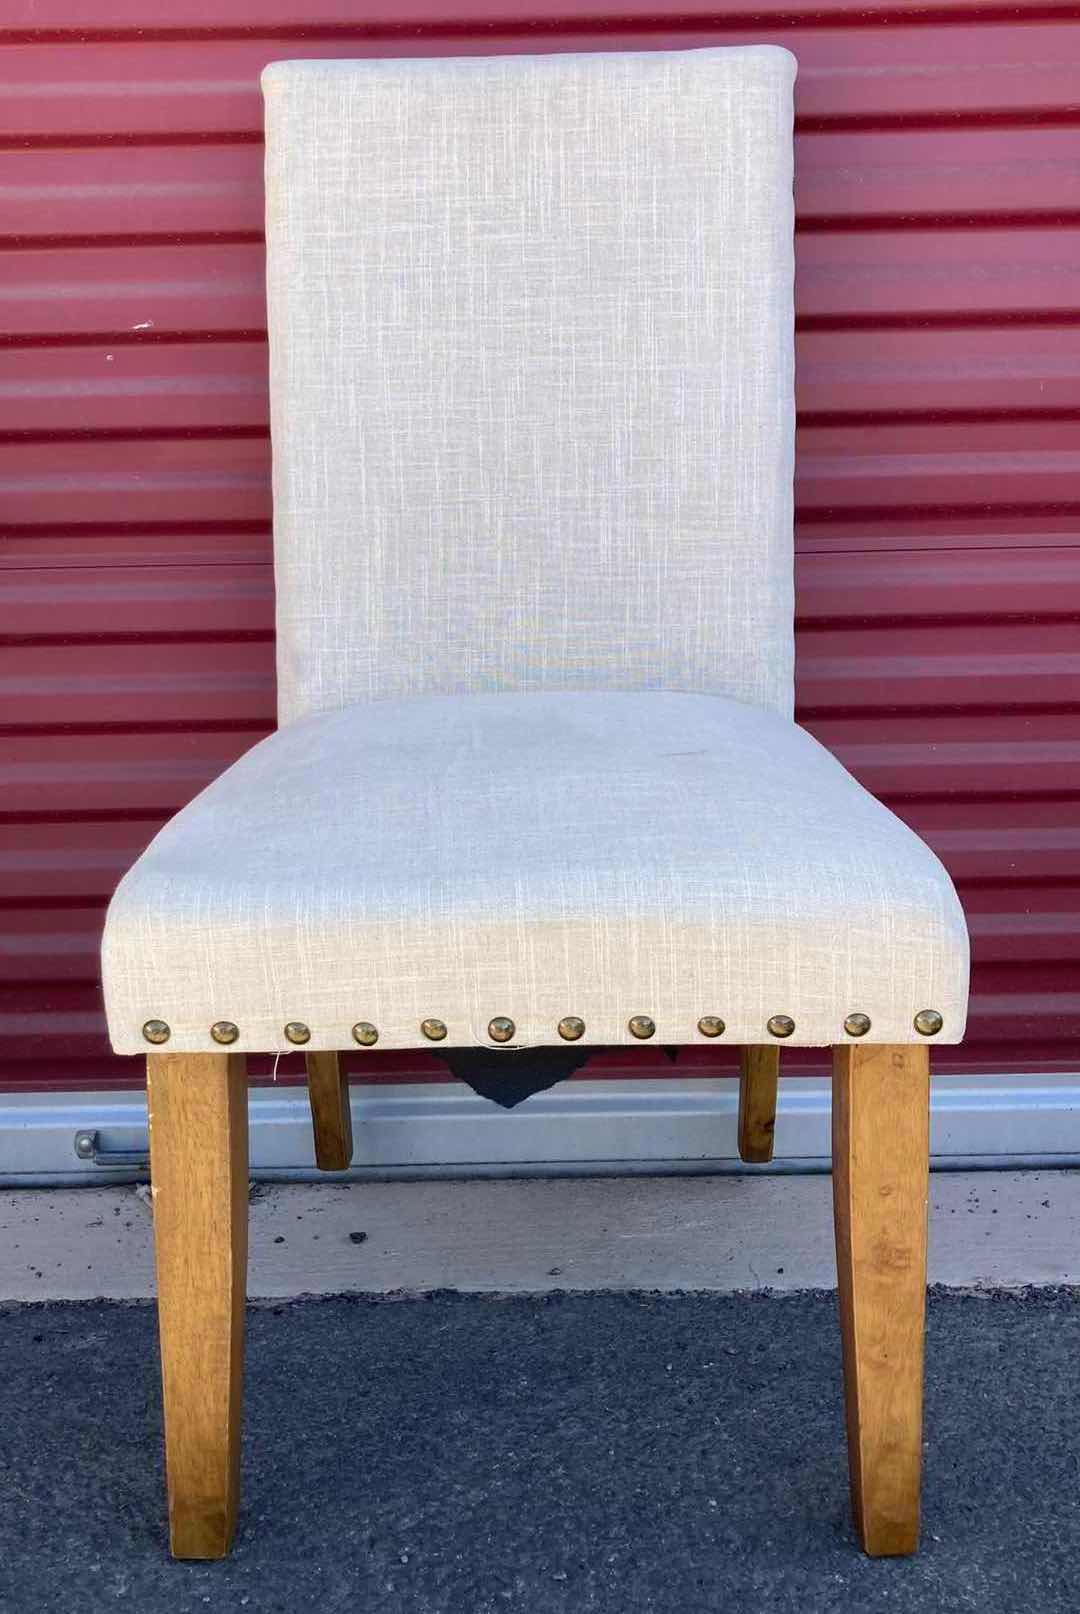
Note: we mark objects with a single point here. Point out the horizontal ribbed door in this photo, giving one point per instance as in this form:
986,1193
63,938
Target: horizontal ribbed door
938,494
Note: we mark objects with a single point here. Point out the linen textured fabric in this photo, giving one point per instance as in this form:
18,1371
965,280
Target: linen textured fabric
531,361
531,374
535,855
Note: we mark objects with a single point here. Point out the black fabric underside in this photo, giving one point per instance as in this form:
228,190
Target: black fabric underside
508,1076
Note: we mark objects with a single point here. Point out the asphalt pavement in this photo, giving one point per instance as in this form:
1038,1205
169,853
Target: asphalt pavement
469,1454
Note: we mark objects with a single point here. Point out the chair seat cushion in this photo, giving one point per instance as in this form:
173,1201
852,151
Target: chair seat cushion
537,856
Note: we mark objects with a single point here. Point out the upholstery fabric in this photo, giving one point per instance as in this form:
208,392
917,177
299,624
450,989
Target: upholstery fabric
597,854
531,374
531,365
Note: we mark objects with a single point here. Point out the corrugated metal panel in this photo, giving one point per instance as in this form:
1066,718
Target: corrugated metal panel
939,450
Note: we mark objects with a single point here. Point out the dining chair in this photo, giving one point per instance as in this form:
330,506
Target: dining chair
537,782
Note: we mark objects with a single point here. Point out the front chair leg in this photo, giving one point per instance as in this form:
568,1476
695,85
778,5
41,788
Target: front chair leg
881,1159
199,1171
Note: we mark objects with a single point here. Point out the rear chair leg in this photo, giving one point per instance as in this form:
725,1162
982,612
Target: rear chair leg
199,1170
331,1118
758,1074
881,1159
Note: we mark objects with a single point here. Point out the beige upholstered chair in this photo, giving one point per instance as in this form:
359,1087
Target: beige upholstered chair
537,781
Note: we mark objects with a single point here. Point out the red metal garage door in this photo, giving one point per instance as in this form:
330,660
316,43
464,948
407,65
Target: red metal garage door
938,500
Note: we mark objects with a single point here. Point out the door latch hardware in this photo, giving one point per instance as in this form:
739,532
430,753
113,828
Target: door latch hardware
88,1147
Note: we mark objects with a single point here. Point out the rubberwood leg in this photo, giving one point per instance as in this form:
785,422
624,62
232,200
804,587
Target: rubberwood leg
331,1118
881,1156
199,1171
758,1074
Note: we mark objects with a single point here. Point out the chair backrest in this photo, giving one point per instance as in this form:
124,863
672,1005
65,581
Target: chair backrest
532,374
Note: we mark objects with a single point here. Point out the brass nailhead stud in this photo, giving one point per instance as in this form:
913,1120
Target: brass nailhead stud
156,1031
571,1028
501,1029
928,1022
711,1025
641,1026
297,1031
434,1030
857,1025
224,1031
365,1033
781,1025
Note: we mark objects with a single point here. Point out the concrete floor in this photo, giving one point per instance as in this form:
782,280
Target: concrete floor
996,1229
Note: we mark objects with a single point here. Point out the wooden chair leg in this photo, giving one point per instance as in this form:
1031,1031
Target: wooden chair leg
199,1171
881,1158
758,1074
331,1117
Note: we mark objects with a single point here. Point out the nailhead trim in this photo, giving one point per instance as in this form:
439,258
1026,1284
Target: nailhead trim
928,1023
781,1025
